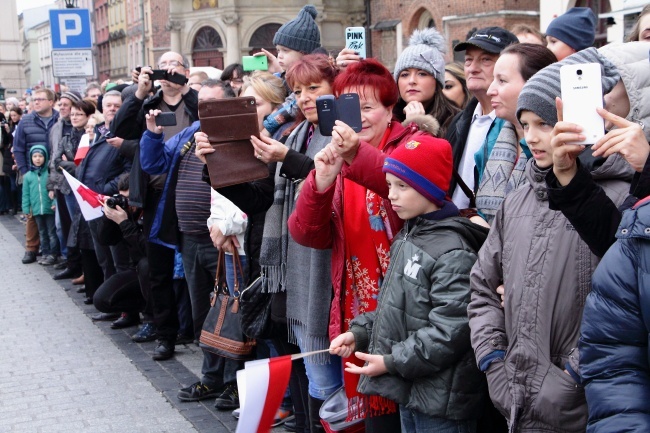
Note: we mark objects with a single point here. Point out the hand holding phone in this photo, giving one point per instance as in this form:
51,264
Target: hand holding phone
582,94
255,63
355,39
166,119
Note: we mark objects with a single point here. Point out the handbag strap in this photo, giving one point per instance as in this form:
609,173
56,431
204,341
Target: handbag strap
220,280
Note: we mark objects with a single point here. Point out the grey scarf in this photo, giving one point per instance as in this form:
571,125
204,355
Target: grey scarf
503,173
303,272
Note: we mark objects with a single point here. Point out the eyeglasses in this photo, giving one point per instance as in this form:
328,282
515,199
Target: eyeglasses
39,99
170,64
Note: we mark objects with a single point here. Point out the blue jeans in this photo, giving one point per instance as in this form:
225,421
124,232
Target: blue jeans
418,422
324,379
230,273
47,233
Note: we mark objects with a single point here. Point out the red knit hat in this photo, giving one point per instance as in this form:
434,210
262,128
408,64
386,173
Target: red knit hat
425,163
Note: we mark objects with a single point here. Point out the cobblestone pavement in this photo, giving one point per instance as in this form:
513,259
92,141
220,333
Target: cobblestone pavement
60,372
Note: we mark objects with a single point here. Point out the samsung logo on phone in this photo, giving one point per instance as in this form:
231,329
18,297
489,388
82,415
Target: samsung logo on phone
580,87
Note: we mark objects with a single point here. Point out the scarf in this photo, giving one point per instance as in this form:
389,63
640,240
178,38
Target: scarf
307,280
504,172
367,255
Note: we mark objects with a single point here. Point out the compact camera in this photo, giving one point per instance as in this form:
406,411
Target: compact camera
117,200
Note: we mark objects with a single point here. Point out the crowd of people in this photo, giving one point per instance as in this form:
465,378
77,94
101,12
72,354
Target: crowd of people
460,262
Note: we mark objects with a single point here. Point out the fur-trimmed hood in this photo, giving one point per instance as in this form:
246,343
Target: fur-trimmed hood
424,122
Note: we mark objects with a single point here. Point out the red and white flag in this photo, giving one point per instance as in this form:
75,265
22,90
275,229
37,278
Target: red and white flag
89,201
82,149
261,385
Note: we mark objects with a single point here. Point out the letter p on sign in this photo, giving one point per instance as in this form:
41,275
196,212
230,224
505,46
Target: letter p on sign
66,30
70,29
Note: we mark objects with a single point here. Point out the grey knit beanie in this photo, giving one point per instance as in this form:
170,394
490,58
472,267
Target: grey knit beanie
72,96
301,33
425,51
576,28
539,93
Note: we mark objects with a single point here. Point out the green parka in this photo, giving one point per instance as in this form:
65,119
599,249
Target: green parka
35,198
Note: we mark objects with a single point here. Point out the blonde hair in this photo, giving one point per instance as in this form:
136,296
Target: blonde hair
636,30
268,86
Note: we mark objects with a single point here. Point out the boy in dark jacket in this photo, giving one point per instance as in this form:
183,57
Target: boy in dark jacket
417,341
37,203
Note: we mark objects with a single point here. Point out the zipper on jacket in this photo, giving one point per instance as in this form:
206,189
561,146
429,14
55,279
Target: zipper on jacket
40,194
392,269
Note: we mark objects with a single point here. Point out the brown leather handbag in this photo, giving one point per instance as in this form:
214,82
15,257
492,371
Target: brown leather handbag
229,124
222,332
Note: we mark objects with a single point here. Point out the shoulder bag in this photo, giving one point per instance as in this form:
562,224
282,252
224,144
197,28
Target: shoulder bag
222,332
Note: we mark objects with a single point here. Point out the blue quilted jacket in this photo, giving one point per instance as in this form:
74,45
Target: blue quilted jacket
614,361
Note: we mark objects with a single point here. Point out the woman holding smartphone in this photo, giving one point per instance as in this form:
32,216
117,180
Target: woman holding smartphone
287,267
361,241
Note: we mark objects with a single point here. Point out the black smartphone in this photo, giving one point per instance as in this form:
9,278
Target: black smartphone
109,134
346,108
166,119
159,74
349,110
327,114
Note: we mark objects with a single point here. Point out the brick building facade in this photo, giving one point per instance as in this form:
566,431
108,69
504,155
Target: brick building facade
393,21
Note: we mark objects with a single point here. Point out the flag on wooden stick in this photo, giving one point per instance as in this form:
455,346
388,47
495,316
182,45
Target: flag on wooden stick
89,201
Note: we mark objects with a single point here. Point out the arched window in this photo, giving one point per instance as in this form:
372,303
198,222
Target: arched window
205,49
263,38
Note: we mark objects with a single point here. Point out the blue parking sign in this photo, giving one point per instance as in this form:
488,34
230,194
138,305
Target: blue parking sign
70,28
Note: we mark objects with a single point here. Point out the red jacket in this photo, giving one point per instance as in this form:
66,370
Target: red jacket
317,220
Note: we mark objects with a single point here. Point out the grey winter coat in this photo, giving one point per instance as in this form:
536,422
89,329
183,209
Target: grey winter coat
546,270
420,324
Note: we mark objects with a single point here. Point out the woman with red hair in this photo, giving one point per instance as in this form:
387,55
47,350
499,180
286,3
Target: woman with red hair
343,206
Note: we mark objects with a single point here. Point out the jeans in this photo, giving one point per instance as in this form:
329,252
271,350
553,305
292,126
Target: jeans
230,273
184,307
200,264
47,232
59,231
120,293
324,379
418,422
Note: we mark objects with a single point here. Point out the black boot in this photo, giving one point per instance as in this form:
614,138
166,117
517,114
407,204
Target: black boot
314,417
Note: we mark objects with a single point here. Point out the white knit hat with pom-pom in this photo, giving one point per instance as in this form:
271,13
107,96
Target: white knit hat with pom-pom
425,51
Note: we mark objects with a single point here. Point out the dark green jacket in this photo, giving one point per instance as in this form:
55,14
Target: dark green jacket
421,325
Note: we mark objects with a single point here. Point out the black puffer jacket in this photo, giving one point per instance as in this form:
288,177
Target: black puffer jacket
421,325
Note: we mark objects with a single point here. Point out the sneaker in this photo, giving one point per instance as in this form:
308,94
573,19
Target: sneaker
163,351
236,412
147,332
282,416
229,398
48,260
29,257
197,391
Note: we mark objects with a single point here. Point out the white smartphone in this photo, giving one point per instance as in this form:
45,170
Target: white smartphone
582,93
355,39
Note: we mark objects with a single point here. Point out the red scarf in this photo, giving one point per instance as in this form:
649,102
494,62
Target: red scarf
367,255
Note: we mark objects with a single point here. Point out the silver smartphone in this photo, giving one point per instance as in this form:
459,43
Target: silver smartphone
582,93
355,39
